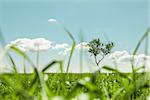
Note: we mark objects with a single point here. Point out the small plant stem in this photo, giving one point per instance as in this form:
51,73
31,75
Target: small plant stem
24,65
146,50
68,65
81,60
134,78
37,58
70,56
100,60
97,62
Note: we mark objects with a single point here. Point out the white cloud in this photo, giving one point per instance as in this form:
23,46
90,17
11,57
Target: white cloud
138,60
38,44
65,48
82,46
117,54
23,44
51,20
61,46
64,53
124,61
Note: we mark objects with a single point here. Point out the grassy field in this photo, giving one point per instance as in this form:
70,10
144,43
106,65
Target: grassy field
71,86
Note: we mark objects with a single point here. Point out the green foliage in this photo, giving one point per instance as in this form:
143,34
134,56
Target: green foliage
68,86
96,47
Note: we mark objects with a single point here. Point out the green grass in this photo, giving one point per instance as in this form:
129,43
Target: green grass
19,86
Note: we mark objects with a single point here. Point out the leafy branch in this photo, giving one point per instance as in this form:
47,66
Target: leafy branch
97,48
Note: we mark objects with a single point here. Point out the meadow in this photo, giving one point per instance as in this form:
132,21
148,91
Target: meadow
70,86
40,85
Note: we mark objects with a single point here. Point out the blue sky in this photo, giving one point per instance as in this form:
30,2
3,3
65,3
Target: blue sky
121,21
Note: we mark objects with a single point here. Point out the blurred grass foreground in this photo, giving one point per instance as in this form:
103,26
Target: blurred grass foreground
40,85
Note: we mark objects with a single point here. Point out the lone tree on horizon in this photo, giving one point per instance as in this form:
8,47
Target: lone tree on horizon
99,49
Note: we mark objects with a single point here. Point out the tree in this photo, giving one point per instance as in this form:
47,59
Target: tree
97,48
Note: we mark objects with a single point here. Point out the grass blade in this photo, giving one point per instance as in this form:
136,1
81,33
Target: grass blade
72,49
2,40
115,70
18,51
141,40
118,93
50,65
13,63
137,69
